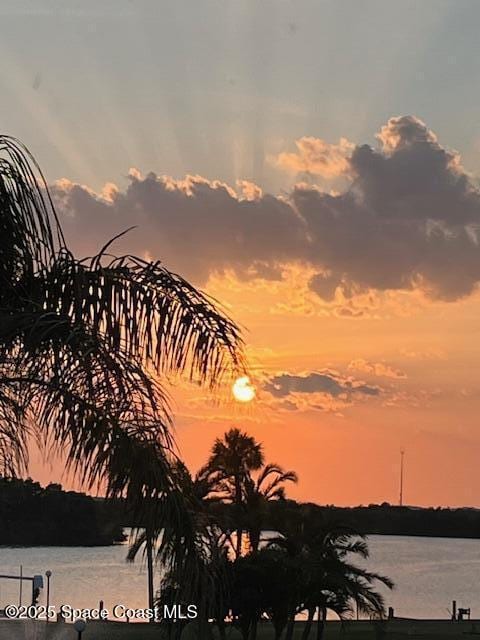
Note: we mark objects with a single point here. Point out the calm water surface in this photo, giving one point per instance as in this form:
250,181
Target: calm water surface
429,573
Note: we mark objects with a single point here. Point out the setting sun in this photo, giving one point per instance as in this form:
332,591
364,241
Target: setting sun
243,390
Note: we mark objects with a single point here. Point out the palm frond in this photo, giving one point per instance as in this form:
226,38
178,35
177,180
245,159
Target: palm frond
31,234
274,489
78,341
78,337
147,312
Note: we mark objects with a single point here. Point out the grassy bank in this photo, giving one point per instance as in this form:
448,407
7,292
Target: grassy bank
355,630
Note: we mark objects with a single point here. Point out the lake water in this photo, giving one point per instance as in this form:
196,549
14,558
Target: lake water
429,573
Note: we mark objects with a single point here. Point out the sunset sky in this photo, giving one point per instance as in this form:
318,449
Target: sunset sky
314,166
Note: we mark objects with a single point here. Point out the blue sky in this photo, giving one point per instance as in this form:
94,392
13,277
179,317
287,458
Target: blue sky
216,87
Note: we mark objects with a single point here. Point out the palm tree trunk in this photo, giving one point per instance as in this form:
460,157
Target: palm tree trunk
238,500
239,542
253,630
221,629
308,624
278,632
322,614
149,550
254,540
290,626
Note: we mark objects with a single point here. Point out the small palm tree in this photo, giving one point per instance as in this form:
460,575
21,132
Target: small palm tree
232,459
268,486
335,583
195,497
330,579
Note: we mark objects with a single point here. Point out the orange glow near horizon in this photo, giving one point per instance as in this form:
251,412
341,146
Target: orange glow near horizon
345,447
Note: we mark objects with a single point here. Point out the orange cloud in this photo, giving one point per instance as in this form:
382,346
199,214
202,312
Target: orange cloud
317,157
380,369
249,190
404,131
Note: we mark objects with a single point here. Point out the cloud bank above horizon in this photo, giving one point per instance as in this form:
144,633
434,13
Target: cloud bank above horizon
407,219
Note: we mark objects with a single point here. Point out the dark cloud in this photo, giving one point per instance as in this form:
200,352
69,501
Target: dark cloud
329,383
409,218
325,285
196,226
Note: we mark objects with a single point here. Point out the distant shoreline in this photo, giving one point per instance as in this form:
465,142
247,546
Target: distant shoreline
388,520
36,516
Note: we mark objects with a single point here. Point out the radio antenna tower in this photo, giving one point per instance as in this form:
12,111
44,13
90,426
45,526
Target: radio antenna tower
402,454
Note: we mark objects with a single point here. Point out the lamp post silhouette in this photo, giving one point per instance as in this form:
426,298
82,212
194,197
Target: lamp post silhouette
402,454
49,575
79,626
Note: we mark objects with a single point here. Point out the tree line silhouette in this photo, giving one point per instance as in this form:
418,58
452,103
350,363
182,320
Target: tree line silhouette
32,515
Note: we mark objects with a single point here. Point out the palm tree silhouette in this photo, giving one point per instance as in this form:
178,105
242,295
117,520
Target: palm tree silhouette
233,458
78,342
196,496
330,579
269,485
